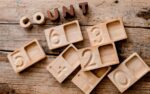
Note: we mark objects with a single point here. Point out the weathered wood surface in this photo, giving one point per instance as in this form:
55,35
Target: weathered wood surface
99,10
36,79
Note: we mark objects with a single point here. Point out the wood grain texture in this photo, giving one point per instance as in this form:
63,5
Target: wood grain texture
99,10
36,79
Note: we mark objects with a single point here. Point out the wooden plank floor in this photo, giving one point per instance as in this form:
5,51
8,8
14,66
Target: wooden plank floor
36,79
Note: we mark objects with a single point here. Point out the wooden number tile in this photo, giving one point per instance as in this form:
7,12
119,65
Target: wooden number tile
68,12
98,56
63,35
64,64
27,55
53,17
88,80
128,72
104,32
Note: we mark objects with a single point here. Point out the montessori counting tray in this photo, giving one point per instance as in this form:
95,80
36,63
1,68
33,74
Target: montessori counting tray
95,61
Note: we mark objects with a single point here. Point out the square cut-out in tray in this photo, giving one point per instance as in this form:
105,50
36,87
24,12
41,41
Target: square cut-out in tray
116,29
27,55
108,54
98,56
128,72
88,80
63,35
64,64
112,30
73,32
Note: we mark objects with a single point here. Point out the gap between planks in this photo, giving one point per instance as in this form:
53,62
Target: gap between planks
126,26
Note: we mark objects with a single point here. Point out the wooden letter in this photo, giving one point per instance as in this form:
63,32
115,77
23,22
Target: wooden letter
111,30
39,18
67,12
25,22
84,7
54,17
